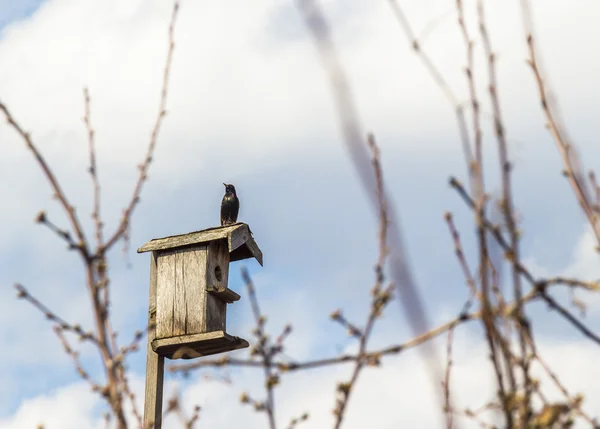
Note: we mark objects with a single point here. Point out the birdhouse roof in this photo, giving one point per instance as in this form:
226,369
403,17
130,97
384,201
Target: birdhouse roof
239,240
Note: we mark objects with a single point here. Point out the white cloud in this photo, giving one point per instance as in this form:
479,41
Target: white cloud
69,407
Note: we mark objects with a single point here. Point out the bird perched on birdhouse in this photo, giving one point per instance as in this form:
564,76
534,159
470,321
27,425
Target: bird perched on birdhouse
230,206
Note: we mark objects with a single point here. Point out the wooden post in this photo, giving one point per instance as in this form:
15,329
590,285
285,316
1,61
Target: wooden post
188,301
155,364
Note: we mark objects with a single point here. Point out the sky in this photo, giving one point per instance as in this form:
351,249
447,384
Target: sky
249,104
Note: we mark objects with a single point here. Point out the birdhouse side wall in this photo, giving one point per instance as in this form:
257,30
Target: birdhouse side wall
217,277
181,291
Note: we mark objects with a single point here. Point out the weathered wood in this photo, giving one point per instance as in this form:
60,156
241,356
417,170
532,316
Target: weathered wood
178,287
154,362
194,285
181,296
239,239
165,295
217,273
190,238
224,294
191,346
254,250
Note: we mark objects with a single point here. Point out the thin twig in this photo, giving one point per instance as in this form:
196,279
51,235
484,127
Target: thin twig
575,402
262,349
566,149
439,80
508,210
448,411
371,356
58,192
380,296
461,256
93,169
23,293
58,330
144,166
400,269
539,284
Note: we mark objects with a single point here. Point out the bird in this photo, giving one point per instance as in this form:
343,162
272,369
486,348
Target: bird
230,206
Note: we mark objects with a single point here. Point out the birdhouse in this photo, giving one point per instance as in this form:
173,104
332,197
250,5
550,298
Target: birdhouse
189,293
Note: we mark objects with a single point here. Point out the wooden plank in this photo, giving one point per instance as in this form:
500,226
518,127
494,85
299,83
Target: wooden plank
254,250
165,297
179,293
224,294
191,238
155,364
195,280
238,237
197,345
217,274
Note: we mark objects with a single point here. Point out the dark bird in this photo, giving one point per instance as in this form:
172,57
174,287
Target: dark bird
230,206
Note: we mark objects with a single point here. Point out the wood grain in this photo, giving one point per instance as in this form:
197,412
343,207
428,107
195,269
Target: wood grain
239,239
192,346
165,297
155,364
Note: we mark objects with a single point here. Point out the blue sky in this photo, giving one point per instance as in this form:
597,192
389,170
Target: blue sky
15,11
250,105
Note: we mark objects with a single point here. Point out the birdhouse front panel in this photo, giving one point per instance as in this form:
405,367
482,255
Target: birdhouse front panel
183,304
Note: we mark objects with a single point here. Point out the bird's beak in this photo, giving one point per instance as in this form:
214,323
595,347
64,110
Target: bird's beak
225,184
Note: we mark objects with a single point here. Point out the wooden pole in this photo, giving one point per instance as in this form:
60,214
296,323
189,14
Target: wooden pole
155,364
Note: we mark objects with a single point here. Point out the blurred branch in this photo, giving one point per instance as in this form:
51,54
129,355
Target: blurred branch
448,411
81,244
297,420
263,350
23,293
493,336
42,218
575,402
58,330
461,256
401,275
144,166
571,163
93,169
380,295
539,285
115,389
174,407
508,211
439,80
370,356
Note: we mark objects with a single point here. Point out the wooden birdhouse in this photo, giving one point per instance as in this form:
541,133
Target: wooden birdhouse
189,293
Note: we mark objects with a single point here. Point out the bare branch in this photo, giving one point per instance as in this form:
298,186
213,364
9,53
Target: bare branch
566,149
263,350
439,80
58,330
380,295
295,422
93,169
124,224
446,383
400,270
58,192
23,293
